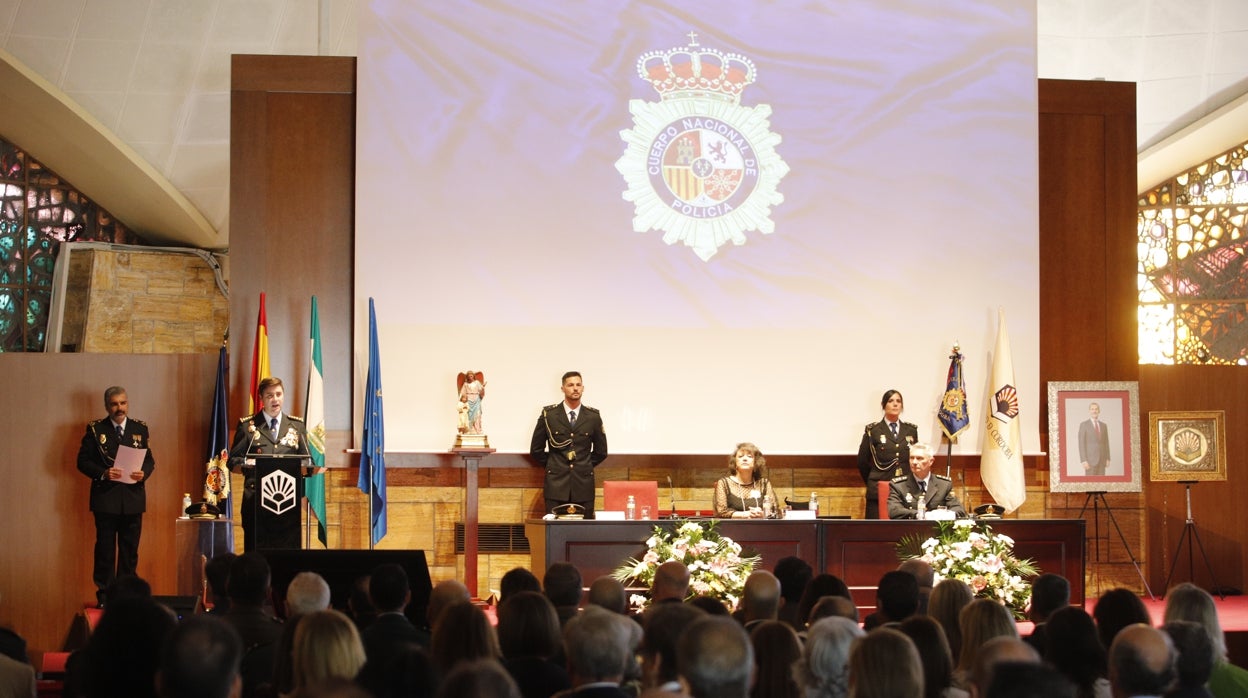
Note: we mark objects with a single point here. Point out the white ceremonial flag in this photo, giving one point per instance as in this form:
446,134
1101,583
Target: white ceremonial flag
1002,447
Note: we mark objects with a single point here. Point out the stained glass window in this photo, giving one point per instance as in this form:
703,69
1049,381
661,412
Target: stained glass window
38,211
1192,265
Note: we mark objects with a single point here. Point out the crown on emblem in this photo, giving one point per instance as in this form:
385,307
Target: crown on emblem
694,71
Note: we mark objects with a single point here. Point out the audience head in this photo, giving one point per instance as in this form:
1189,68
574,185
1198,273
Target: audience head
824,667
715,658
671,581
934,656
1072,645
443,596
528,626
1028,680
461,633
518,579
994,651
1049,593
248,583
123,651
359,606
307,592
127,586
819,586
1117,609
327,645
776,649
662,624
897,596
794,574
201,660
216,574
924,575
945,605
1195,652
389,588
1141,661
562,585
760,599
712,605
1189,602
981,621
830,606
480,678
885,664
597,644
607,592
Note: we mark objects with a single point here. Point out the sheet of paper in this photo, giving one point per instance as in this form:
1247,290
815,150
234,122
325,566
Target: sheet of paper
129,459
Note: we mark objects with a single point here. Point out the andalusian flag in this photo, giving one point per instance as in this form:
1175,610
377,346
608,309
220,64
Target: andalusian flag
314,413
373,453
952,414
259,360
1002,447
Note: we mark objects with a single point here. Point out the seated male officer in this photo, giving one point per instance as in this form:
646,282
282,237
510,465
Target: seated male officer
935,491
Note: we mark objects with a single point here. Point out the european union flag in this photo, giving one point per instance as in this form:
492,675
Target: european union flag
373,453
952,413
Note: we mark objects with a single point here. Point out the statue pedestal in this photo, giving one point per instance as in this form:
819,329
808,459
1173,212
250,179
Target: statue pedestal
472,463
472,441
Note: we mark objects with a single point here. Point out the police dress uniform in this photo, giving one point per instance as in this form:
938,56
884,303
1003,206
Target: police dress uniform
253,438
903,496
118,507
883,456
569,453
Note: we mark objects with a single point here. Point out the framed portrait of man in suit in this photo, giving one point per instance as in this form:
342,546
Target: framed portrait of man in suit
1094,436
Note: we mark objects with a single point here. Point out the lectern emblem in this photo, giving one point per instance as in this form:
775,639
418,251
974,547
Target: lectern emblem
699,166
277,492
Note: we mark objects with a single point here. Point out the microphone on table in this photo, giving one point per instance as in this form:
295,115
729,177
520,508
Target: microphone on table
672,490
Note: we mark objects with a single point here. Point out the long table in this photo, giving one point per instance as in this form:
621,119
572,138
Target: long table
857,551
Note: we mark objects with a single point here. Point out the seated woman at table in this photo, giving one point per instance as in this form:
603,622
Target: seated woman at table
740,494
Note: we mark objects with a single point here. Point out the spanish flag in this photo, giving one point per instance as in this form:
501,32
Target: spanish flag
259,359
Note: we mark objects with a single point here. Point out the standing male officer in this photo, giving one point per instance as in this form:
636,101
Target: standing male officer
118,505
268,432
569,441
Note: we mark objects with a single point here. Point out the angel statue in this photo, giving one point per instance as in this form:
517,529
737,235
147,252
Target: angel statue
471,393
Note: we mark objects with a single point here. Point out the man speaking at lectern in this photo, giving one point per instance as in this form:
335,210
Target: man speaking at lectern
268,432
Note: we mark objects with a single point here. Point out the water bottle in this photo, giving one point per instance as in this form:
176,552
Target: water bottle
186,504
767,507
630,509
922,513
814,503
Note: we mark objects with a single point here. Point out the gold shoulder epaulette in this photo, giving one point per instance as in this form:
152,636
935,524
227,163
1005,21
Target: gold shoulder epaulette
248,418
901,478
591,409
293,418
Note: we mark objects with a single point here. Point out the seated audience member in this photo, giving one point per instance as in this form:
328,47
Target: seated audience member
529,639
12,645
127,586
884,664
1189,602
906,492
283,653
17,679
760,598
216,574
661,626
1072,646
248,588
981,621
123,653
607,592
479,678
710,604
517,579
1117,609
945,605
562,585
823,670
896,599
996,651
462,633
924,575
1141,661
443,596
201,660
598,645
359,606
408,674
832,606
335,687
794,574
934,656
390,592
819,586
306,593
1028,680
715,658
1049,593
327,646
1195,662
776,649
741,492
671,583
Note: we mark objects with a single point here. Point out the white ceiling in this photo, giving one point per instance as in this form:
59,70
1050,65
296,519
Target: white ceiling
156,72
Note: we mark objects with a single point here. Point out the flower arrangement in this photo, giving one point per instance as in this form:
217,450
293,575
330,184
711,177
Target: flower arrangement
971,552
716,567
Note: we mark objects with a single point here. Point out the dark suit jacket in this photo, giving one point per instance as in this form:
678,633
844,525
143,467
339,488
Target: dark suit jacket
383,637
569,453
96,456
252,438
882,456
1093,448
939,494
